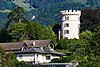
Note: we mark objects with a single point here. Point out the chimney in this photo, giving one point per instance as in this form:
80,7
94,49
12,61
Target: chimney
34,43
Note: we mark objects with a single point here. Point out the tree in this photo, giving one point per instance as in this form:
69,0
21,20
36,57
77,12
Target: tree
16,15
4,35
86,35
56,28
9,60
2,56
18,31
35,31
21,64
90,19
49,34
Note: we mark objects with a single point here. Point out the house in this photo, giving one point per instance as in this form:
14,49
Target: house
38,55
33,51
19,46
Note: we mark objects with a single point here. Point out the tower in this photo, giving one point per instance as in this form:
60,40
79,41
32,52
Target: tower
70,23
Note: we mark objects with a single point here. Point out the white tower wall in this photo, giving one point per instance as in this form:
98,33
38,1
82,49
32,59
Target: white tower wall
70,23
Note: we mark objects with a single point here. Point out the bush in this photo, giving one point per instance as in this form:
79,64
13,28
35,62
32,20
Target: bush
56,60
66,59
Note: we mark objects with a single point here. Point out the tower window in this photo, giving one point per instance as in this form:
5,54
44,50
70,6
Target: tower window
66,25
66,18
66,31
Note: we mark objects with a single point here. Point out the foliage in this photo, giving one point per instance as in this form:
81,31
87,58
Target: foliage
49,15
21,64
66,59
56,60
17,15
86,35
4,35
56,28
2,55
9,60
18,31
85,50
49,34
47,11
90,19
7,5
35,31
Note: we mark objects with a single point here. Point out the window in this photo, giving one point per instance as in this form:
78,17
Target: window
37,56
66,31
66,25
47,57
66,18
20,56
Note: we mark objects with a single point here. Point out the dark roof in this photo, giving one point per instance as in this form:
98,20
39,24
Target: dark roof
13,46
39,50
31,50
51,51
38,43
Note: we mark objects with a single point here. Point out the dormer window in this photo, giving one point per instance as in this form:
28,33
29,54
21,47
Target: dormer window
23,48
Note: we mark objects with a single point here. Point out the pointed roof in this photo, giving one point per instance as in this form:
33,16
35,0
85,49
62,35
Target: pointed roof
45,50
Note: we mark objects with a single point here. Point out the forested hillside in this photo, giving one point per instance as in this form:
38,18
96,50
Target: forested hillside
85,50
49,15
47,12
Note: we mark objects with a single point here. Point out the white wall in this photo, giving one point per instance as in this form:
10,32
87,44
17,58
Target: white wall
39,58
25,57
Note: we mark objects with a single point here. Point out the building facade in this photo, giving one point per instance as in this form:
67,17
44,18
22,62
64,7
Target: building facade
32,51
38,55
70,23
